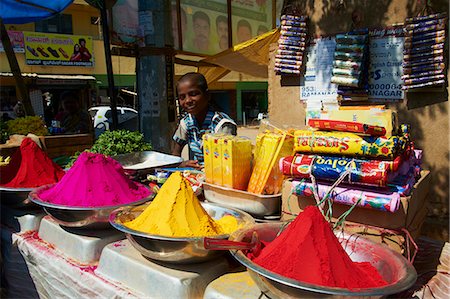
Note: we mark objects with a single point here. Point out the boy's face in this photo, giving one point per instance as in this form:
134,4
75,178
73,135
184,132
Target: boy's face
191,98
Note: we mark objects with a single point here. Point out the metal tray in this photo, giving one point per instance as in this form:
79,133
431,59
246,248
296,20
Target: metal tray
147,160
254,204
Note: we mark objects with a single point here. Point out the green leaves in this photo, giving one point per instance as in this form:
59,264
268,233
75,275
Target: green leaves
25,125
112,143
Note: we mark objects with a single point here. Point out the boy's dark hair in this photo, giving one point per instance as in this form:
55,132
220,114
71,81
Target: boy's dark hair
244,23
80,40
195,78
221,19
201,16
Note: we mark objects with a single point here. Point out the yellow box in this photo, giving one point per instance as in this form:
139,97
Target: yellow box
216,150
386,118
236,162
208,157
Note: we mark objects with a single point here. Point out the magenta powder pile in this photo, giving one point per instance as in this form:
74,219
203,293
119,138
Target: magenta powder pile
94,180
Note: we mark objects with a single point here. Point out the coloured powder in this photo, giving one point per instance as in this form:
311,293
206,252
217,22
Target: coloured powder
94,180
30,167
176,212
308,251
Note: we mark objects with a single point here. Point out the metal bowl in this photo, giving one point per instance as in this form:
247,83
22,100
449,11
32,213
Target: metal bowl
79,217
16,197
143,162
170,249
393,267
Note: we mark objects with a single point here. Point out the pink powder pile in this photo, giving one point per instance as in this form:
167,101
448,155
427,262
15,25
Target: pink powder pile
94,180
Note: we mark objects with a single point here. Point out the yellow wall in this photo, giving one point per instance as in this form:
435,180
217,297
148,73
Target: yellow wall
81,22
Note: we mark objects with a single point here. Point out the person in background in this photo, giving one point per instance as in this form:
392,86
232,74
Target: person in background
244,31
85,55
73,119
19,109
76,55
194,99
222,32
202,25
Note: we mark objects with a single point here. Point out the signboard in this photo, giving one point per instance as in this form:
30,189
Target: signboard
315,85
205,23
16,38
386,58
58,49
125,29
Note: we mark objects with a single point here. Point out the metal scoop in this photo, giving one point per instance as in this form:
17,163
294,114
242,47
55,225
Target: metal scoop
217,244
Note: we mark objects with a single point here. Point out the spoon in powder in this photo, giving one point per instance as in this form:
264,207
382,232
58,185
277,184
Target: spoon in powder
217,244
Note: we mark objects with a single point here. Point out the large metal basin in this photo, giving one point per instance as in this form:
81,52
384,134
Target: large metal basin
393,267
16,197
80,217
170,249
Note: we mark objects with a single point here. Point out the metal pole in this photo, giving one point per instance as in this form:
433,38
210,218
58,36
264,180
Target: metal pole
155,74
15,69
109,69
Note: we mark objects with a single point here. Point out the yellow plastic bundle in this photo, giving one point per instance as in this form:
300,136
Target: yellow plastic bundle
176,212
266,178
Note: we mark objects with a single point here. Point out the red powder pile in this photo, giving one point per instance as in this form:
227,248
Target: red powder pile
308,251
94,180
30,167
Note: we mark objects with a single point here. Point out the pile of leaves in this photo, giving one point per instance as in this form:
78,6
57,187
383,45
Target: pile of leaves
25,125
112,143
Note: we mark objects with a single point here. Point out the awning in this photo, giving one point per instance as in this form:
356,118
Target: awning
27,11
51,76
250,57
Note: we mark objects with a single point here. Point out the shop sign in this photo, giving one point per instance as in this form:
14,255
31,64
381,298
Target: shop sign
315,85
16,38
386,58
58,49
204,23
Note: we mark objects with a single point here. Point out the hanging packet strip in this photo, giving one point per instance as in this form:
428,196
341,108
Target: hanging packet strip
347,144
363,172
387,202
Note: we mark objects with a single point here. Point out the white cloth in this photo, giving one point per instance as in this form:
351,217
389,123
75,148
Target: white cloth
56,277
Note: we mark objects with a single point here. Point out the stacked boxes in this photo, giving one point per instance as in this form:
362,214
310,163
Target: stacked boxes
227,160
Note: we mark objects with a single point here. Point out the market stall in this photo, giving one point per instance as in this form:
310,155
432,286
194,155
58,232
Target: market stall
334,207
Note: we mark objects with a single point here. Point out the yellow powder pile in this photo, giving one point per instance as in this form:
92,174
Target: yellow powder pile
176,212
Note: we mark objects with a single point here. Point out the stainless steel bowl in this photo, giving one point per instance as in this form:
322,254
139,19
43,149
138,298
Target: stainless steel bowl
143,162
79,217
393,267
170,249
16,197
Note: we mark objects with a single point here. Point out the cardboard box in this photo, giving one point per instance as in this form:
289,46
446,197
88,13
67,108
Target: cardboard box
410,215
66,145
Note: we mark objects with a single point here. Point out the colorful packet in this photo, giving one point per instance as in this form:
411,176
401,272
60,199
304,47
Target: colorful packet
350,48
356,56
439,82
422,68
290,52
289,62
425,18
423,74
424,79
419,62
294,18
419,55
433,28
293,28
288,66
346,64
293,23
426,23
298,48
286,71
292,33
346,72
431,46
